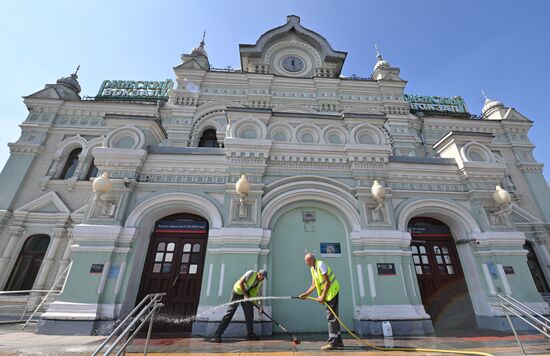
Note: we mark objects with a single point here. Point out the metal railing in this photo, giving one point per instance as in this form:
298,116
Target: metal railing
510,305
23,304
31,300
144,311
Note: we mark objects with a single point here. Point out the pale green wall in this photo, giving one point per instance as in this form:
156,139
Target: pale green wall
540,192
12,177
81,285
290,276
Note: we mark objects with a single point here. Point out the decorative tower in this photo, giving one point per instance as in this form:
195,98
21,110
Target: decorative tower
383,70
493,109
71,82
198,56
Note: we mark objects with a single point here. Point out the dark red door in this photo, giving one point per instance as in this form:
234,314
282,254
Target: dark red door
174,265
441,281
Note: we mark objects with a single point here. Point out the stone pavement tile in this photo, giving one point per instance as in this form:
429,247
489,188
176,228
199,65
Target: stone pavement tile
498,344
505,346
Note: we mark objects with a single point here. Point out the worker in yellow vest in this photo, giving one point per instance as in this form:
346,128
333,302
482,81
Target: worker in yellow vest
248,286
323,280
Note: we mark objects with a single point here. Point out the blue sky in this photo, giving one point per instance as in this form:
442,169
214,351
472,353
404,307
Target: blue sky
443,48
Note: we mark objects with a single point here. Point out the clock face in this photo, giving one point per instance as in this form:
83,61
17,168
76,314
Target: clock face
293,63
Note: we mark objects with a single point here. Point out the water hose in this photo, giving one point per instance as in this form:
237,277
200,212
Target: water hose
396,348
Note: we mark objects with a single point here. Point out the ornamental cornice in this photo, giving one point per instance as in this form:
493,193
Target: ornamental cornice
355,166
180,178
427,187
26,148
308,166
118,158
307,157
420,176
84,107
191,170
530,167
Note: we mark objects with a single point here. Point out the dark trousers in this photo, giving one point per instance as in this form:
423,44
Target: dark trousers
248,310
334,336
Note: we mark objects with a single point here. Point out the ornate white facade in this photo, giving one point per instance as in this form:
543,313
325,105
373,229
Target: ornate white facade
309,141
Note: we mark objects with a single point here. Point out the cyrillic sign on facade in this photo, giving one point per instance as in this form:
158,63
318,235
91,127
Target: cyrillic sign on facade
135,89
436,104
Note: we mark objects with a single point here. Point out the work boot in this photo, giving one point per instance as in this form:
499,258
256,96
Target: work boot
328,347
252,336
339,343
217,338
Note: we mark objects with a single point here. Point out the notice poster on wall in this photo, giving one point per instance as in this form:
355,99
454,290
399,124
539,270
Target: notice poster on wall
330,249
113,272
386,269
96,268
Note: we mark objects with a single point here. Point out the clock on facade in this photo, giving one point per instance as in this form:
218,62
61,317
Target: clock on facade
293,63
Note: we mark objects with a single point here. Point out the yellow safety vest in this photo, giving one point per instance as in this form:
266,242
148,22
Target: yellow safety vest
252,286
320,281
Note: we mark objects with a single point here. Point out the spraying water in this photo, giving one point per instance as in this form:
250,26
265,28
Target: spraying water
182,320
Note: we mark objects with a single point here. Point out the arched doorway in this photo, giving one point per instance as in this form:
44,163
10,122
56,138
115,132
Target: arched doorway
535,269
440,277
28,263
300,230
174,265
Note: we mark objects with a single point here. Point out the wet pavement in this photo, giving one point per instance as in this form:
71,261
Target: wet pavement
13,342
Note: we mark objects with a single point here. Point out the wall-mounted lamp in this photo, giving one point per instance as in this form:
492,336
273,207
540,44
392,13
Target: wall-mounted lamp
501,196
243,188
378,192
101,185
503,199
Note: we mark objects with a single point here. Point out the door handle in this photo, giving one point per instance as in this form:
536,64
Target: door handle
174,283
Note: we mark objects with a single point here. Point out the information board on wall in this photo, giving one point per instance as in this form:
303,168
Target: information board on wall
330,249
386,269
196,227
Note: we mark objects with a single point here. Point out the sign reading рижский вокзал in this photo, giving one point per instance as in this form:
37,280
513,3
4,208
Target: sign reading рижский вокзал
135,89
436,103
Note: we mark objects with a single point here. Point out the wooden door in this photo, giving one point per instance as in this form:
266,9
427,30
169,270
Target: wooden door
535,269
174,265
441,281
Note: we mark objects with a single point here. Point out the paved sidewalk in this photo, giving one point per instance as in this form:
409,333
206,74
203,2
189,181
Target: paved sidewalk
498,344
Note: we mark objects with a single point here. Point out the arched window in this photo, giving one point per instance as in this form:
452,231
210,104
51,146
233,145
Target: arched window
209,139
28,263
70,164
92,171
536,271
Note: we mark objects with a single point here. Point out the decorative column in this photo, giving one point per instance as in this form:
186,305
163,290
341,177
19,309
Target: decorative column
66,255
14,233
49,258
